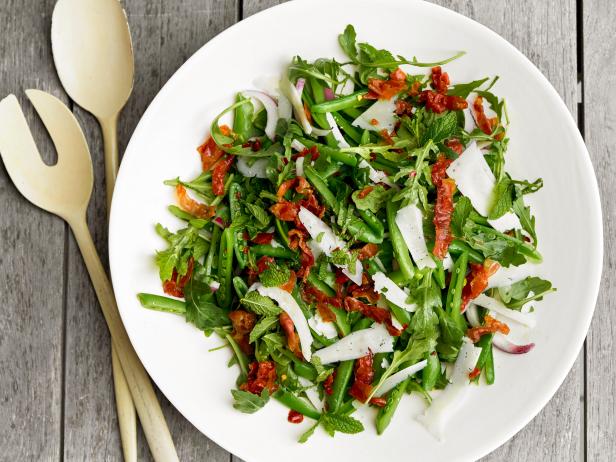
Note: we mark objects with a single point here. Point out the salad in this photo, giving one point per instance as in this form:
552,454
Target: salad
354,237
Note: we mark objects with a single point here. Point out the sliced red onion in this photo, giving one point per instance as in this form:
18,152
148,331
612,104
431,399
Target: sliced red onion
328,93
472,315
500,342
219,222
285,110
290,91
257,169
270,107
299,85
342,143
214,286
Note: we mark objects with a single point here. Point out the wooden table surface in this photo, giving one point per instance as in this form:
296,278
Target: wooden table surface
56,393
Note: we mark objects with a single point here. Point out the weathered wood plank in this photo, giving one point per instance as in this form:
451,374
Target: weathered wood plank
164,35
546,33
600,123
254,6
31,259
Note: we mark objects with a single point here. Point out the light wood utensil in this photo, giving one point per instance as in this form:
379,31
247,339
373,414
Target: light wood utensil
64,189
93,54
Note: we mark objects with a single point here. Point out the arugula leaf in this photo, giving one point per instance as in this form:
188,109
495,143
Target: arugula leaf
374,200
451,333
460,214
347,42
340,257
308,433
517,295
495,104
493,244
275,275
526,219
464,89
249,403
526,187
266,323
441,128
200,307
502,198
259,304
183,245
261,215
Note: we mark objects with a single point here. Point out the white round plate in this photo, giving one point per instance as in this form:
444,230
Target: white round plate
545,142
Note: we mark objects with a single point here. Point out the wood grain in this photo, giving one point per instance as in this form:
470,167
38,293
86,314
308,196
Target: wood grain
31,260
600,133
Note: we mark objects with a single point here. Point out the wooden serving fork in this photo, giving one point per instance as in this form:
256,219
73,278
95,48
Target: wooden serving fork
64,189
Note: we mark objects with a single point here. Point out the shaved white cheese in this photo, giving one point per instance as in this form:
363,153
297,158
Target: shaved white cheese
391,382
447,262
289,90
311,392
507,276
376,176
383,111
285,110
409,220
322,327
375,339
342,143
492,304
299,166
390,290
325,239
449,401
315,248
257,169
288,304
270,107
476,181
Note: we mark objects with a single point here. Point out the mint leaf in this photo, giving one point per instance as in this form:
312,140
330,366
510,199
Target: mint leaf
518,294
275,275
183,245
340,257
502,199
258,212
249,403
200,307
460,214
262,327
341,423
374,200
441,128
260,304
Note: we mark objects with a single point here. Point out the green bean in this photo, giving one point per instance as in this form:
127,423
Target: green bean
383,418
347,158
399,278
485,343
209,260
401,251
297,404
321,186
319,97
386,168
344,371
271,251
236,192
431,372
403,316
320,285
225,262
159,303
362,323
489,369
454,293
362,232
439,274
346,126
328,169
355,112
242,359
338,104
242,119
365,137
457,247
342,321
241,288
304,369
373,221
181,214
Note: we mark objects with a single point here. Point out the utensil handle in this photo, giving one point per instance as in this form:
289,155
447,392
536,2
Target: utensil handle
149,411
109,128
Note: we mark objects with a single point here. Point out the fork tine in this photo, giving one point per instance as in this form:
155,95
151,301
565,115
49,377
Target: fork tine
65,131
17,147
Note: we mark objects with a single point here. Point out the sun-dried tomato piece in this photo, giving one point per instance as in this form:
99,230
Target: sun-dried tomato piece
364,374
297,239
445,188
455,146
490,326
368,251
438,102
285,187
477,281
415,86
290,284
261,375
311,203
380,315
218,174
440,80
303,187
328,383
310,294
289,329
386,137
326,312
255,144
175,286
263,238
367,293
474,373
387,89
378,402
189,205
285,210
485,124
403,108
242,322
312,151
295,417
209,153
264,263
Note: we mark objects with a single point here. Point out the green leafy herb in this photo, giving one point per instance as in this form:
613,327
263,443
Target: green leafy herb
261,215
249,403
460,214
275,275
259,304
200,307
519,294
502,198
183,245
266,323
374,200
441,128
